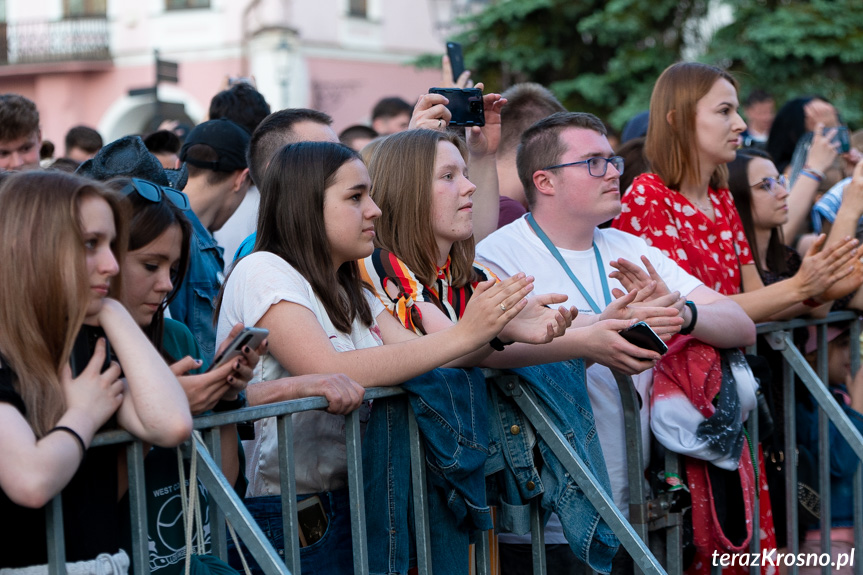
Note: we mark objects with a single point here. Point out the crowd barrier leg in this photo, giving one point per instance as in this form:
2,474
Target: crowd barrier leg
674,531
54,534
483,553
823,446
235,511
420,496
356,493
140,560
288,491
602,501
537,538
218,533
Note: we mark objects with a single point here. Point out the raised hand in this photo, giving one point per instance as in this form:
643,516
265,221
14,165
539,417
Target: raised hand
430,113
663,314
492,306
539,323
95,393
821,268
484,141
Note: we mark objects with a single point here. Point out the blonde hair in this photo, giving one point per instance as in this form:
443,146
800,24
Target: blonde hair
43,304
671,146
402,173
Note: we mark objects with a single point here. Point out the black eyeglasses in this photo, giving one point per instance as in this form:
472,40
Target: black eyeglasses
769,185
155,193
597,166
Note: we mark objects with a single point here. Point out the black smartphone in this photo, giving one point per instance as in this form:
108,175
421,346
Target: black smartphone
841,138
465,104
456,59
250,336
643,336
312,519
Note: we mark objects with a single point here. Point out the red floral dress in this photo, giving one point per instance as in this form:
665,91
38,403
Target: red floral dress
712,251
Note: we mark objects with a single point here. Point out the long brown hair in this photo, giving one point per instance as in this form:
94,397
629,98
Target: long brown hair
671,146
44,301
291,225
402,172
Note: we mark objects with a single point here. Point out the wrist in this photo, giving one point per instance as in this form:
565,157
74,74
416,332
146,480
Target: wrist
693,321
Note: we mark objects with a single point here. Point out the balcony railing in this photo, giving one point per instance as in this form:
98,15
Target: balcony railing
36,42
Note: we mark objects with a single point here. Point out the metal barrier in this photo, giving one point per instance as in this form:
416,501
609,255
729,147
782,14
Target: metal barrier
225,504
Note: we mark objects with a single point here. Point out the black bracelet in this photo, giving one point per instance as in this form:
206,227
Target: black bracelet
497,344
73,433
231,404
694,311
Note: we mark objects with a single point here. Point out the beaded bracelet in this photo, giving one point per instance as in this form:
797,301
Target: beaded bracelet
811,174
71,432
815,171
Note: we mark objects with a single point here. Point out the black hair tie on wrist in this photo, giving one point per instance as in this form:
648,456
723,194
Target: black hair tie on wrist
73,433
694,311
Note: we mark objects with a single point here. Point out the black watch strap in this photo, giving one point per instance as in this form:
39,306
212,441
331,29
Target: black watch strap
694,312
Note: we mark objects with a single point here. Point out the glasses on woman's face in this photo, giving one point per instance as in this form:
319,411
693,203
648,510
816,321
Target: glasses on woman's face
596,167
770,185
155,193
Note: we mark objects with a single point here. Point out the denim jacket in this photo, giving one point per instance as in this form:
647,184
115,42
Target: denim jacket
450,408
562,391
843,460
195,302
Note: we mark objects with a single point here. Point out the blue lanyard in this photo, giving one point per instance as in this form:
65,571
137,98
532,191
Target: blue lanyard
556,253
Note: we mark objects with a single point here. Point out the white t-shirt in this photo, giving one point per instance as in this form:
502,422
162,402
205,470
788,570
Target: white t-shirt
259,281
516,248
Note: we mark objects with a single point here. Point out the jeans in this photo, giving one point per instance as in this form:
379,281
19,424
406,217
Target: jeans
332,554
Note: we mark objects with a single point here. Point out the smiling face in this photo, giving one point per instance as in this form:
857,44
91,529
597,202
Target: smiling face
769,209
717,125
99,232
452,209
149,273
350,214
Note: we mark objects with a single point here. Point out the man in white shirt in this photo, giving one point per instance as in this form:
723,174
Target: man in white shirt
571,182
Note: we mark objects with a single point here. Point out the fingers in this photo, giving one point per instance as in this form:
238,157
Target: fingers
94,366
187,364
816,245
343,394
235,331
548,299
431,112
651,271
624,301
463,80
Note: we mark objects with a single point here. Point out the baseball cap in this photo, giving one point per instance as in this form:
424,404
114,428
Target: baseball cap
229,140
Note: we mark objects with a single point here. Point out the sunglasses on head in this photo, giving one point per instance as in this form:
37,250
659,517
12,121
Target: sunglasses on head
155,193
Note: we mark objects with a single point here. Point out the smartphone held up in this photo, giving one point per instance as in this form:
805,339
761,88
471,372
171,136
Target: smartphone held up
465,105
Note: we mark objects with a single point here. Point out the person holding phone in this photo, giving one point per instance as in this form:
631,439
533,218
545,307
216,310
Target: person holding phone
59,385
302,283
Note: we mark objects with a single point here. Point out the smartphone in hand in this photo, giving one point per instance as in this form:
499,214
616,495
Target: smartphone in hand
456,59
643,336
250,336
465,104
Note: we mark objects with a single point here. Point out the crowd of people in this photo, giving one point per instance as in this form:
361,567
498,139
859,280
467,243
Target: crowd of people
413,252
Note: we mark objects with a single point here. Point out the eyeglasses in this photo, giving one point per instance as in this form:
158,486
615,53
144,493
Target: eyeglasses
155,193
769,185
597,166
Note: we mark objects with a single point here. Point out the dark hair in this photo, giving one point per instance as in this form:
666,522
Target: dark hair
291,225
18,117
788,127
163,142
632,152
275,131
85,138
242,104
67,165
358,131
741,191
757,96
46,150
390,108
541,146
526,104
148,221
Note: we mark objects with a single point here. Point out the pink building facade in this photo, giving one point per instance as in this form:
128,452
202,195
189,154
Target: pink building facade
79,59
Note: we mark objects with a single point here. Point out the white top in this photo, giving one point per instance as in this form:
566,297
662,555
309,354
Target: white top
516,248
259,281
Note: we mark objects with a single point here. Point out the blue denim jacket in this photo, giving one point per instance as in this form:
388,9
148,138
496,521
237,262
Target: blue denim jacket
450,408
562,391
843,460
195,302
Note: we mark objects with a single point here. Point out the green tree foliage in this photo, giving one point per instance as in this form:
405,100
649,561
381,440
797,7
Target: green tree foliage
797,47
601,56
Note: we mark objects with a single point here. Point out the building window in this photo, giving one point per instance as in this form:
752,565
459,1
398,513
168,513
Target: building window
357,8
75,8
186,4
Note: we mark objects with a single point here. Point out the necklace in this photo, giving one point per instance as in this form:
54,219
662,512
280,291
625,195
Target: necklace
707,210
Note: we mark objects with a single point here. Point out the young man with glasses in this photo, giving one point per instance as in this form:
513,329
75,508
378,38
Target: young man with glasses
571,181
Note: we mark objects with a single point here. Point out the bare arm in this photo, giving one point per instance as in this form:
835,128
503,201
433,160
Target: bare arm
155,408
721,321
802,195
482,167
850,210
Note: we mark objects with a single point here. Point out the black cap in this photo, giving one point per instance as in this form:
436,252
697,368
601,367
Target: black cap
128,156
229,140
